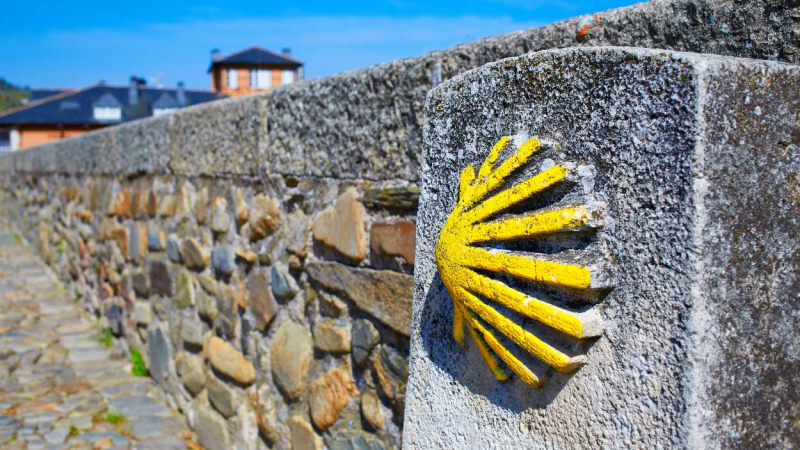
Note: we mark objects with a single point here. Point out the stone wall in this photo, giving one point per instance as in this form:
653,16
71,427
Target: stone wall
259,251
268,307
649,297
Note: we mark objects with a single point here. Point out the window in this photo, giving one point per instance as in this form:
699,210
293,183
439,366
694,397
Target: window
5,141
163,111
287,76
165,104
107,108
69,105
260,78
107,113
233,78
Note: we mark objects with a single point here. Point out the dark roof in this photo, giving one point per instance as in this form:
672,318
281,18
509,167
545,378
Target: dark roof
40,93
107,100
257,56
76,107
166,101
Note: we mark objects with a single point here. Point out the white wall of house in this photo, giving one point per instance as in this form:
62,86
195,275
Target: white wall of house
14,139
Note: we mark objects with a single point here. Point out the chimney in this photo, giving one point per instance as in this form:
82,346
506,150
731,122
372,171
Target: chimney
133,91
286,51
214,55
181,94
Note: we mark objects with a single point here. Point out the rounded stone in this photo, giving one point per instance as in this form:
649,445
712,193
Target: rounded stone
330,393
371,410
220,219
303,435
365,338
211,430
184,290
223,260
394,240
160,352
264,217
194,255
173,248
292,353
221,396
190,369
330,338
228,361
341,227
155,240
260,297
284,287
266,414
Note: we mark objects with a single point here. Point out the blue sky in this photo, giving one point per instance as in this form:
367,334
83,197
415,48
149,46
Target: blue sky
77,43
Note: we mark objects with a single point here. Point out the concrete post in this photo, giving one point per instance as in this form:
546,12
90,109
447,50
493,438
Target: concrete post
639,286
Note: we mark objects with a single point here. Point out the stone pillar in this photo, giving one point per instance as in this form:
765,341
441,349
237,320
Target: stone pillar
649,275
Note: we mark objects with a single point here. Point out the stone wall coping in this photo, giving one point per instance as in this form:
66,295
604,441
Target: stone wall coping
687,159
367,123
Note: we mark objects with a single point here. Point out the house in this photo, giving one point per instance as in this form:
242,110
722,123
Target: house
252,70
55,114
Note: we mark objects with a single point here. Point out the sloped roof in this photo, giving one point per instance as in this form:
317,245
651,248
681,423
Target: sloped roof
257,56
166,101
106,100
41,93
76,107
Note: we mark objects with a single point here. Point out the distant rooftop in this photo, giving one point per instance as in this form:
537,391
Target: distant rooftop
256,55
41,93
78,106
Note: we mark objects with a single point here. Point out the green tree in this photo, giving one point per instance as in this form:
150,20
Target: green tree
12,96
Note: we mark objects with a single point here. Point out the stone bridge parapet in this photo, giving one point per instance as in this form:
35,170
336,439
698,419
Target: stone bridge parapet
260,251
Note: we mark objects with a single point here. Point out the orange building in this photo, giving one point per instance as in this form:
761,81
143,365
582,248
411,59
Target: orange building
252,70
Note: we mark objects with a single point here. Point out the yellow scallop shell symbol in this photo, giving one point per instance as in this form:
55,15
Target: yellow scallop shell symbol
463,259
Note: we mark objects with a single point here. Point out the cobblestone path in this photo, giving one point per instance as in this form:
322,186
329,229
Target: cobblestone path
60,386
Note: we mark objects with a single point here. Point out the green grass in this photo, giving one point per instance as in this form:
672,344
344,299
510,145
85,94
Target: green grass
138,369
109,417
60,247
73,431
105,337
17,238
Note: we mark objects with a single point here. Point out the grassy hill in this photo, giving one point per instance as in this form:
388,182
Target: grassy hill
12,96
